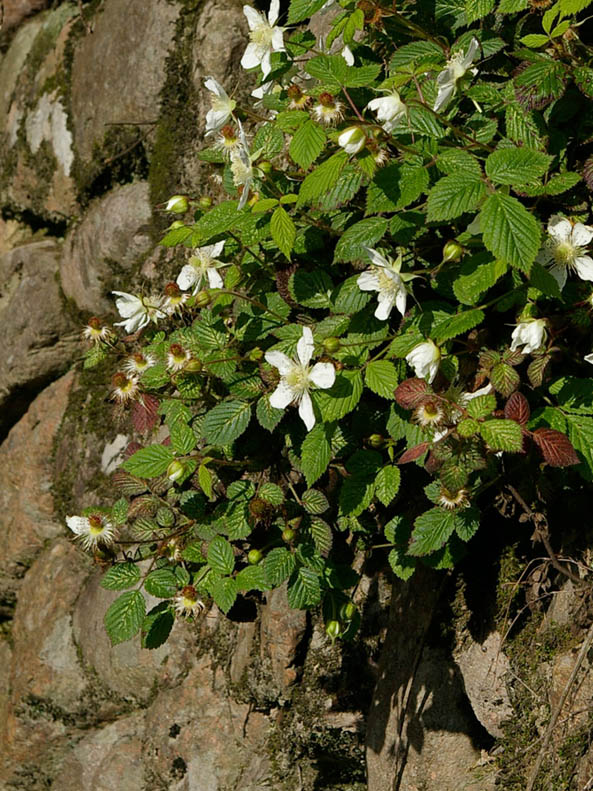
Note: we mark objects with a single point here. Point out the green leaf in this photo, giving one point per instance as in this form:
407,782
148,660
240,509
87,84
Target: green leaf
478,273
481,406
457,325
283,230
502,435
307,144
301,9
314,501
221,556
183,439
431,530
226,422
224,593
580,433
556,185
381,377
510,231
268,416
156,626
161,583
303,589
205,480
387,483
278,565
119,511
456,161
121,576
252,578
512,6
344,189
269,141
504,378
535,40
516,166
348,298
574,6
124,617
402,565
340,399
454,195
218,220
322,179
476,9
311,289
316,452
271,493
467,523
322,536
365,233
149,462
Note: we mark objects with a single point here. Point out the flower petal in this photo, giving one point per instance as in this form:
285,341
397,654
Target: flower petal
278,40
559,228
274,12
376,258
323,375
385,306
444,96
254,19
215,87
306,411
78,524
581,234
559,275
368,281
251,57
214,279
584,267
280,361
187,277
282,396
588,358
305,346
401,300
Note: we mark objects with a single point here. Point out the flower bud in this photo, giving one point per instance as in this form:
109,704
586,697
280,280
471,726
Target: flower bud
202,299
348,611
331,345
176,224
333,629
376,440
254,557
177,204
288,535
352,140
175,470
205,202
193,366
265,166
452,251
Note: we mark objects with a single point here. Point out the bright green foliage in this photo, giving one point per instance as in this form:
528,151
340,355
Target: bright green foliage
347,384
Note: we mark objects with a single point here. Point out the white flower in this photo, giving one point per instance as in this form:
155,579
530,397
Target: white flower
97,332
565,249
202,266
187,602
346,53
241,167
125,388
390,110
455,69
177,357
138,363
424,359
328,109
529,334
92,530
137,312
264,37
465,398
384,277
589,358
297,377
222,106
352,139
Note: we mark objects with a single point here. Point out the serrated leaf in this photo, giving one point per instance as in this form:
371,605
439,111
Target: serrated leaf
387,483
303,589
457,325
218,220
121,576
278,565
476,9
283,230
149,462
311,289
414,453
453,195
322,179
205,480
537,368
481,406
221,556
156,626
402,565
269,141
340,399
224,593
124,616
271,493
316,452
503,435
307,144
467,523
301,9
314,501
411,391
183,439
161,583
556,448
510,231
268,416
322,536
145,414
516,166
580,433
226,422
517,408
381,377
512,6
252,578
478,274
431,530
355,239
504,378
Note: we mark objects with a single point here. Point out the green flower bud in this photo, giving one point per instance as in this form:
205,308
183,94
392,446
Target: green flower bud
265,166
202,299
255,354
333,629
254,557
288,535
175,470
177,204
331,345
348,611
193,366
452,251
376,440
176,224
205,202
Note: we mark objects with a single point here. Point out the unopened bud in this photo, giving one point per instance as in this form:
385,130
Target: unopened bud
452,251
202,299
176,224
193,366
348,611
265,166
352,139
333,629
331,345
255,354
254,557
175,470
205,202
376,440
177,204
288,534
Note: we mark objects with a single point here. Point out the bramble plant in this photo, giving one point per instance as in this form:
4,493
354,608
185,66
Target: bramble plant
398,286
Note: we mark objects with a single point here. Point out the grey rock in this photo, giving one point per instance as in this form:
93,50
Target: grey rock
39,341
115,231
118,70
12,64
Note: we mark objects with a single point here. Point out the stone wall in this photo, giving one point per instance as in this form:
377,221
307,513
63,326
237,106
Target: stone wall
100,120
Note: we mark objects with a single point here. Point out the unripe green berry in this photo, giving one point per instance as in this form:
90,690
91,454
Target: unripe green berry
333,629
205,202
288,534
376,440
331,345
452,251
254,557
202,299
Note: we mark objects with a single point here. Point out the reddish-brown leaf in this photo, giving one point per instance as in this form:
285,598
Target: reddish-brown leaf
128,484
131,449
413,453
145,414
432,463
517,408
555,446
410,392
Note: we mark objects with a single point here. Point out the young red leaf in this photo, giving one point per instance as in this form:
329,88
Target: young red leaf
131,449
145,414
517,408
413,453
409,393
556,448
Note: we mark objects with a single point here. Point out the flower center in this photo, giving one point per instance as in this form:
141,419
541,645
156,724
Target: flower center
565,253
95,525
241,172
298,378
386,281
262,35
456,66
